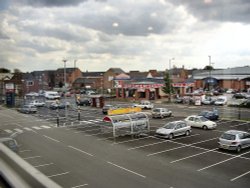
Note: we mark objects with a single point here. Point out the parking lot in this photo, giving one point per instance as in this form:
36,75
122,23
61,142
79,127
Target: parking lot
197,153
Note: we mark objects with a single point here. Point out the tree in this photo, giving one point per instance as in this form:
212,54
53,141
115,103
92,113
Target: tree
4,70
168,88
208,67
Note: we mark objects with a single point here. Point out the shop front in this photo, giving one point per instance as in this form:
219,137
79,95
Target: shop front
139,91
182,89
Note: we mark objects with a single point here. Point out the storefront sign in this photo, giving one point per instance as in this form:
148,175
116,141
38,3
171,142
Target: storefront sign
9,87
183,84
143,86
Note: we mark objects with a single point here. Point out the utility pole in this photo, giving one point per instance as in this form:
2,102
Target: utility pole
66,110
210,74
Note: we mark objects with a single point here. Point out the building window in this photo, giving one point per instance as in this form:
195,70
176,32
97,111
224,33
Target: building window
29,83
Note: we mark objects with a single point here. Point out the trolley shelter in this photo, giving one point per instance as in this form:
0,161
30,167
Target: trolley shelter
127,124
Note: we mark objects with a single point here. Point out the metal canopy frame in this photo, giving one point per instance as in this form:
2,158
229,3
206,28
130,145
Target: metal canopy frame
128,124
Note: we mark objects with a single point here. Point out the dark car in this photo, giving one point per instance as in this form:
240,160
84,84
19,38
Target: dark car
211,115
83,102
239,96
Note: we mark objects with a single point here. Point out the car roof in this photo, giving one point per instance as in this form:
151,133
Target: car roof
235,132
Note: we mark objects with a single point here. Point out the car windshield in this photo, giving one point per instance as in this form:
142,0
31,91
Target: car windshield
228,136
203,113
203,119
169,126
156,110
220,100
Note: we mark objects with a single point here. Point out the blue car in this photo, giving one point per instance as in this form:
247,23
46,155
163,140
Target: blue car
211,115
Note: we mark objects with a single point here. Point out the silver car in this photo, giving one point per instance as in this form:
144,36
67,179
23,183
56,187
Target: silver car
234,140
161,113
172,129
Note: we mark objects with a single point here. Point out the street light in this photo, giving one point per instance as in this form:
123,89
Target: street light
210,74
66,110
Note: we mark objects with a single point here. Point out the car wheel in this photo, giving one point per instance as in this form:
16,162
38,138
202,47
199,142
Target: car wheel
204,127
238,149
187,133
171,136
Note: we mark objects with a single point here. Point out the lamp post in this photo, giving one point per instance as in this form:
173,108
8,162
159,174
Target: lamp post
66,110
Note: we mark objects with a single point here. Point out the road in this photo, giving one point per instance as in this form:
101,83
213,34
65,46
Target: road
80,155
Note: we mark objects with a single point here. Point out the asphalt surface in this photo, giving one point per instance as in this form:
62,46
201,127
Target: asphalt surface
80,154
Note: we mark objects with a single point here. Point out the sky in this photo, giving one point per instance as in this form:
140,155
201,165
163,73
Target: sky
96,35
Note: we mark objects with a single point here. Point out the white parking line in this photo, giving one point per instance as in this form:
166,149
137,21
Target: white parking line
193,155
239,124
27,129
233,179
163,140
22,151
87,130
19,130
32,157
45,126
80,185
58,174
81,151
51,138
133,140
17,124
237,156
37,166
185,145
97,134
127,170
8,131
106,138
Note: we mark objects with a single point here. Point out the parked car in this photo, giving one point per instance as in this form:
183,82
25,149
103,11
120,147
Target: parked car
211,115
37,103
52,95
234,140
230,91
108,107
145,105
32,94
240,96
172,129
208,100
54,105
200,122
83,102
161,113
221,101
179,100
28,109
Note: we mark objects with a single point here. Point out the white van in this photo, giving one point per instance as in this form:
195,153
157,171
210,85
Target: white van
51,95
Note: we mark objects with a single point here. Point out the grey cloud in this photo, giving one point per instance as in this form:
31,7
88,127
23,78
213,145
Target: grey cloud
218,10
62,32
133,20
39,46
49,3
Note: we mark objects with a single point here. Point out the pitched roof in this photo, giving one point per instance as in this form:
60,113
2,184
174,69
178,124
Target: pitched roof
92,74
116,70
